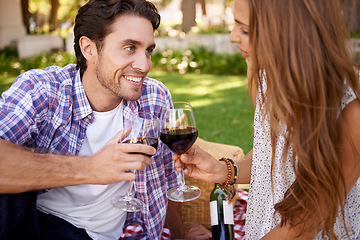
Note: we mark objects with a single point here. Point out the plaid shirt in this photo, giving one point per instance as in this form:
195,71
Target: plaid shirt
47,110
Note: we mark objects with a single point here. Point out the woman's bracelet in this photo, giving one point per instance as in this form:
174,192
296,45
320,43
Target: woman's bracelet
236,173
229,162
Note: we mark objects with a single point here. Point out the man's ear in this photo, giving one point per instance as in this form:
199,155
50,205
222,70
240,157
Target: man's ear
88,49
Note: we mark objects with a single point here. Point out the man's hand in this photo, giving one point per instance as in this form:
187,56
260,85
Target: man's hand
114,160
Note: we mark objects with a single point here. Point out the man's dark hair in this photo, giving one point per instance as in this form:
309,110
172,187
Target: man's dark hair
95,18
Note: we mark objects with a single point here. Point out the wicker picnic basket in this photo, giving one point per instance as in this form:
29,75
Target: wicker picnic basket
198,211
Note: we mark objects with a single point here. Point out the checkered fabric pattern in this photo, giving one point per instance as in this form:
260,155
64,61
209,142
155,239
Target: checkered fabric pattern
240,214
239,220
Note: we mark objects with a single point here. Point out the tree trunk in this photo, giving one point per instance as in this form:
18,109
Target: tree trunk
188,8
53,15
352,15
203,7
25,14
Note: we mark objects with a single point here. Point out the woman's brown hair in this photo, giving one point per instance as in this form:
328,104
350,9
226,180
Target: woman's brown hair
300,49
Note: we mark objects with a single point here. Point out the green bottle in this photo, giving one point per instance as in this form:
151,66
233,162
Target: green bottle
222,213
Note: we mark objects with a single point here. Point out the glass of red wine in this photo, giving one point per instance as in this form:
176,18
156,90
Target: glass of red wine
179,133
144,130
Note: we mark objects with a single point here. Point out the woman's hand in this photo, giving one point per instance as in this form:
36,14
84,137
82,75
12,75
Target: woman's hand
199,164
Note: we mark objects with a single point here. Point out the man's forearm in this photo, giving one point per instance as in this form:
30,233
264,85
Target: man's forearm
22,170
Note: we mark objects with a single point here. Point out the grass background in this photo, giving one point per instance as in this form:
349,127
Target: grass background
221,104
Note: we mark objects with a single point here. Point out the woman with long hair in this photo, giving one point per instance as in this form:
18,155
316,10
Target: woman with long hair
304,169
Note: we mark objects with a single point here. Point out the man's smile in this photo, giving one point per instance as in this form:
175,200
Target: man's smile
133,78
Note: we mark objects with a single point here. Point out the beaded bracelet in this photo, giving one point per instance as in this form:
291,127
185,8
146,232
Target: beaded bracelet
235,171
228,163
229,160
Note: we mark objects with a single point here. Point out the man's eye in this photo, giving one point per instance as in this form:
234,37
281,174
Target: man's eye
150,51
130,48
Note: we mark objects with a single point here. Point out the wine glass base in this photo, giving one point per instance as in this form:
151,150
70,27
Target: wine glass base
128,204
183,193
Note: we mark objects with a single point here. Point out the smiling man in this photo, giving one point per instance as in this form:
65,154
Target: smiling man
62,161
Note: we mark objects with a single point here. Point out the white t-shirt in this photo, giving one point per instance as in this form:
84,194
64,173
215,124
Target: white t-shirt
88,206
260,217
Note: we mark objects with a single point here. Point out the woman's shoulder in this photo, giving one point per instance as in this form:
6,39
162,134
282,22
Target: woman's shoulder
351,113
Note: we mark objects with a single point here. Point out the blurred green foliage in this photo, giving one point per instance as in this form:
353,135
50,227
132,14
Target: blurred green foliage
11,66
355,34
199,60
196,60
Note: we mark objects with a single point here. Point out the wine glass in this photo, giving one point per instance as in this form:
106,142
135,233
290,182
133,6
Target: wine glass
179,133
144,130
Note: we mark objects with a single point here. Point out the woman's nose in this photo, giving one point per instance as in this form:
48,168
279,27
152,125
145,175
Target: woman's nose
235,37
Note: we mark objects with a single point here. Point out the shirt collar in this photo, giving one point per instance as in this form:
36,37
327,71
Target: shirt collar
81,106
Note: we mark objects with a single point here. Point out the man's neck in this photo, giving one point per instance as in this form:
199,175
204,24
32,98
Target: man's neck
100,99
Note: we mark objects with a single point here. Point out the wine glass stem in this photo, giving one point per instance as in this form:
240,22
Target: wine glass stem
132,184
129,192
182,186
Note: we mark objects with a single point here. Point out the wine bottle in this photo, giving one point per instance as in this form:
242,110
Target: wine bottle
221,213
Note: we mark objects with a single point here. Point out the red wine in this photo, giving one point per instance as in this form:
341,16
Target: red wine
148,141
179,140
